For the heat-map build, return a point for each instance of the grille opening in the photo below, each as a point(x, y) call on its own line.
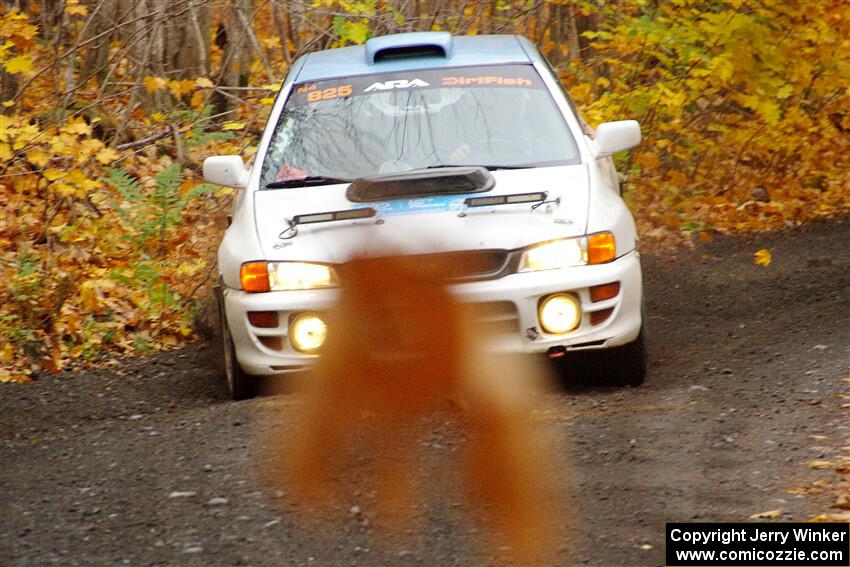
point(495, 317)
point(600, 342)
point(465, 265)
point(410, 52)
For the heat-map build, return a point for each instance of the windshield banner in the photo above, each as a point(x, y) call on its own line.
point(507, 76)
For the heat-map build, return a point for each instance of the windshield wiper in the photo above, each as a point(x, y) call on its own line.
point(487, 167)
point(306, 181)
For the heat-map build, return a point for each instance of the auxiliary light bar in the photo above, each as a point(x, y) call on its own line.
point(350, 214)
point(505, 199)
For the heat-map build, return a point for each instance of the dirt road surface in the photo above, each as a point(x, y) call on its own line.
point(157, 467)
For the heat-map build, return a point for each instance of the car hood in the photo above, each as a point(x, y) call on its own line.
point(426, 224)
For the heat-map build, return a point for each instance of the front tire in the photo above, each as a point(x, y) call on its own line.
point(240, 385)
point(626, 365)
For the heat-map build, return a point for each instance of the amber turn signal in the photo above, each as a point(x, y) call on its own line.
point(604, 291)
point(255, 277)
point(601, 248)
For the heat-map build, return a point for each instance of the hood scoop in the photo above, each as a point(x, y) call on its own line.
point(421, 183)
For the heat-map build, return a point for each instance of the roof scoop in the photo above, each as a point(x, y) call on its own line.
point(409, 45)
point(420, 183)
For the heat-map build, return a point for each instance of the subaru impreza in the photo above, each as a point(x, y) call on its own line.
point(460, 147)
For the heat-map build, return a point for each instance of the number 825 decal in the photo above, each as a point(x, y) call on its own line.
point(330, 93)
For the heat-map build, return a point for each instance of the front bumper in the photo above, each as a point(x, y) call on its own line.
point(510, 319)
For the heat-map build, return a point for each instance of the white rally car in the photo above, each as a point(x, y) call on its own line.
point(437, 145)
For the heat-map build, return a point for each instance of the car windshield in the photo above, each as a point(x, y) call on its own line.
point(342, 129)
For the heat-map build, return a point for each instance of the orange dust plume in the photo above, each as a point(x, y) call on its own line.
point(400, 348)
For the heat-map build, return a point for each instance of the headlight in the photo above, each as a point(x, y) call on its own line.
point(285, 276)
point(559, 313)
point(596, 248)
point(300, 275)
point(553, 255)
point(307, 333)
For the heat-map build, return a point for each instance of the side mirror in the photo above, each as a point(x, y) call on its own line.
point(613, 137)
point(226, 170)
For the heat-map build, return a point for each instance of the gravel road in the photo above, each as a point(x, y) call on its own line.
point(150, 464)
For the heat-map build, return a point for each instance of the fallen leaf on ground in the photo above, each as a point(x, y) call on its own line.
point(763, 257)
point(839, 517)
point(820, 464)
point(770, 514)
point(843, 501)
point(803, 489)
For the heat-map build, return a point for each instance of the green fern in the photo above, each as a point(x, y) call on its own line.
point(200, 120)
point(150, 217)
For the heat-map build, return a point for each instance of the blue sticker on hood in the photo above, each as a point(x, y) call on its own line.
point(420, 205)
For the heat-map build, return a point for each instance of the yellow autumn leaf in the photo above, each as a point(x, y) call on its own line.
point(73, 8)
point(180, 88)
point(839, 517)
point(190, 268)
point(769, 515)
point(65, 190)
point(53, 174)
point(19, 64)
point(267, 100)
point(6, 376)
point(38, 158)
point(63, 144)
point(76, 126)
point(153, 84)
point(81, 180)
point(24, 136)
point(8, 103)
point(107, 156)
point(86, 149)
point(88, 295)
point(817, 465)
point(232, 125)
point(198, 100)
point(763, 257)
point(7, 353)
point(204, 83)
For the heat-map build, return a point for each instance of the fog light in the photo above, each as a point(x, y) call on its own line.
point(307, 332)
point(559, 313)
